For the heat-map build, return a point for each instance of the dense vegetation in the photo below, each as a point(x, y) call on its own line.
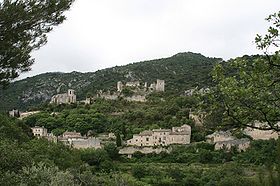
point(28, 161)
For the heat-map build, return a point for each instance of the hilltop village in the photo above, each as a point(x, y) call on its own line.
point(130, 91)
point(147, 141)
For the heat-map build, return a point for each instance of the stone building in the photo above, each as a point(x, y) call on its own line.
point(136, 98)
point(76, 140)
point(132, 84)
point(239, 144)
point(71, 135)
point(160, 85)
point(163, 137)
point(39, 131)
point(119, 86)
point(14, 113)
point(84, 143)
point(26, 114)
point(219, 136)
point(258, 134)
point(66, 98)
point(225, 140)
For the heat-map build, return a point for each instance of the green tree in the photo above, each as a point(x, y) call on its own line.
point(23, 28)
point(118, 140)
point(253, 91)
point(112, 151)
point(138, 171)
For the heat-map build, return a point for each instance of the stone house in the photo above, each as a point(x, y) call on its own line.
point(71, 135)
point(162, 137)
point(39, 131)
point(42, 132)
point(84, 143)
point(76, 140)
point(239, 144)
point(258, 134)
point(66, 98)
point(219, 136)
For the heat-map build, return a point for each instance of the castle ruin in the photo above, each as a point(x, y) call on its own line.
point(67, 98)
point(157, 86)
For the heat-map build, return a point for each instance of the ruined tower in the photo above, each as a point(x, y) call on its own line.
point(71, 96)
point(160, 85)
point(119, 86)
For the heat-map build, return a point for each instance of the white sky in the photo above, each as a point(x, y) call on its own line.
point(105, 33)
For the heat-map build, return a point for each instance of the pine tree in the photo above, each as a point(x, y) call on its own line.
point(23, 28)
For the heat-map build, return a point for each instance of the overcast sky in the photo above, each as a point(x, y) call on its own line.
point(105, 33)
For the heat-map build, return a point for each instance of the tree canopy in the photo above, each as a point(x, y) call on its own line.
point(252, 92)
point(23, 28)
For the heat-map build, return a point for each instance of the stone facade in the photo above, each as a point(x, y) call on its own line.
point(257, 134)
point(39, 131)
point(14, 113)
point(219, 136)
point(129, 151)
point(26, 114)
point(84, 143)
point(71, 135)
point(132, 84)
point(119, 86)
point(160, 85)
point(225, 140)
point(76, 140)
point(137, 98)
point(66, 98)
point(163, 137)
point(239, 144)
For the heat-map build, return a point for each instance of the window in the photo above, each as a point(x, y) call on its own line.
point(164, 138)
point(147, 139)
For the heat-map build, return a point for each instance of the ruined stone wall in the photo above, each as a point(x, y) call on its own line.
point(261, 134)
point(137, 98)
point(144, 150)
point(160, 85)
